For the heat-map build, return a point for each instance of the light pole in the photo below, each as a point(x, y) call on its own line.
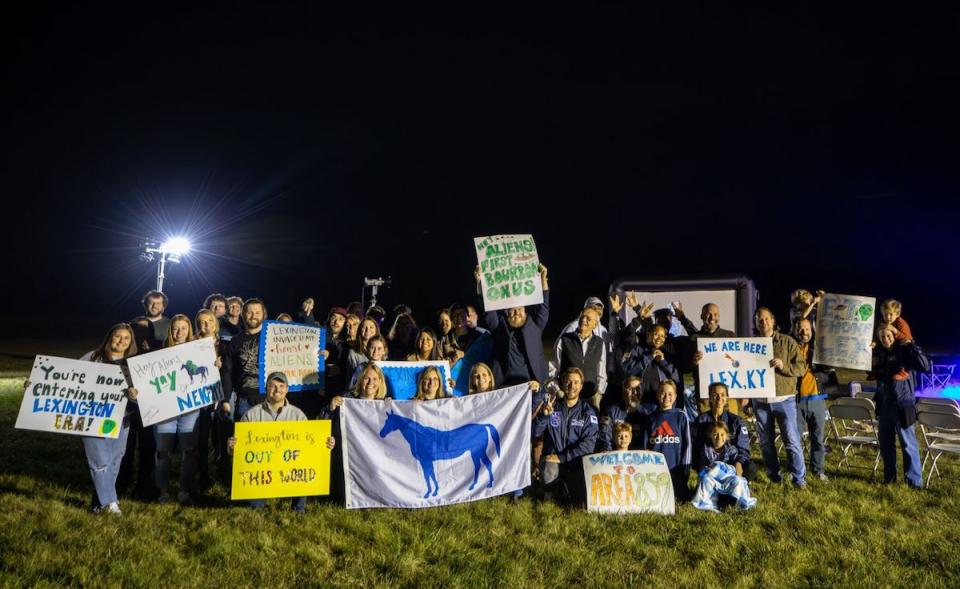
point(169, 251)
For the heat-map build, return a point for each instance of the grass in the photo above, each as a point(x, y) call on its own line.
point(848, 532)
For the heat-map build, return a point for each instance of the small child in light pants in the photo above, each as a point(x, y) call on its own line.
point(721, 477)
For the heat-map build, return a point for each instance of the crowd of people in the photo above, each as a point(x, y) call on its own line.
point(595, 390)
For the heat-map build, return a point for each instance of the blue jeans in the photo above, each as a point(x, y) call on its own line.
point(182, 429)
point(888, 426)
point(104, 456)
point(298, 504)
point(241, 408)
point(784, 415)
point(812, 417)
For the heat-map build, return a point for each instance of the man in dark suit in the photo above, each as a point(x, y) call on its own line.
point(518, 339)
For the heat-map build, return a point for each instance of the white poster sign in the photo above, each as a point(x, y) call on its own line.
point(177, 380)
point(74, 397)
point(509, 271)
point(628, 482)
point(293, 349)
point(844, 331)
point(741, 363)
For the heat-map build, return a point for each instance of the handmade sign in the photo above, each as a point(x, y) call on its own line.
point(509, 271)
point(281, 459)
point(844, 331)
point(177, 380)
point(293, 349)
point(429, 453)
point(74, 397)
point(628, 482)
point(402, 377)
point(741, 363)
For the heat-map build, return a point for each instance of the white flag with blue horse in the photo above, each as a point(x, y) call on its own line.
point(429, 453)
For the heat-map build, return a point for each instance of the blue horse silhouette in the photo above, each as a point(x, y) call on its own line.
point(194, 370)
point(428, 444)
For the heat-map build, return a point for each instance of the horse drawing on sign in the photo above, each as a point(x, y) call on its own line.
point(428, 445)
point(194, 370)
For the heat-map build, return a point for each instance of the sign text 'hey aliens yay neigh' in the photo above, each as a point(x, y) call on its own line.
point(509, 271)
point(176, 380)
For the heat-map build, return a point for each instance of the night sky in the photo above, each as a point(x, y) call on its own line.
point(303, 149)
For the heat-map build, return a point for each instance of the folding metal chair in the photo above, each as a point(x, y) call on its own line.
point(937, 401)
point(932, 435)
point(854, 423)
point(939, 421)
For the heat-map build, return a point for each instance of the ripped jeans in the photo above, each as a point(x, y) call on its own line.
point(103, 457)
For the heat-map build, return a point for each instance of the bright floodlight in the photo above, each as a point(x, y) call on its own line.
point(177, 246)
point(170, 251)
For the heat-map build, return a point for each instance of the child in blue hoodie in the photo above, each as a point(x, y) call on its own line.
point(668, 432)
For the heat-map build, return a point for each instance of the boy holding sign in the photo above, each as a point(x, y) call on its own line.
point(275, 408)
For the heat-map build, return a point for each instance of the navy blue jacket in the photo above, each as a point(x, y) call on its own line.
point(618, 414)
point(739, 438)
point(727, 454)
point(640, 359)
point(568, 432)
point(532, 330)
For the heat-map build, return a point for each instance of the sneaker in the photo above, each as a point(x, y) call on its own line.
point(113, 508)
point(164, 497)
point(183, 498)
point(823, 477)
point(800, 487)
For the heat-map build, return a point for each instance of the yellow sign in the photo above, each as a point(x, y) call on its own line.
point(281, 459)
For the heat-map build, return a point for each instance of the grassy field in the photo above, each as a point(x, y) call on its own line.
point(848, 532)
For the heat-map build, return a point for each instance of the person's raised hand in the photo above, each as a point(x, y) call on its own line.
point(331, 442)
point(548, 406)
point(307, 306)
point(336, 402)
point(646, 310)
point(632, 299)
point(615, 303)
point(132, 394)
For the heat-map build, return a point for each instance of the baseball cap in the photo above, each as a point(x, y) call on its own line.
point(593, 301)
point(278, 376)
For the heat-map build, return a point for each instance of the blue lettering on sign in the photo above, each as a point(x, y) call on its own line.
point(731, 346)
point(640, 459)
point(753, 378)
point(196, 398)
point(606, 459)
point(70, 407)
point(710, 347)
